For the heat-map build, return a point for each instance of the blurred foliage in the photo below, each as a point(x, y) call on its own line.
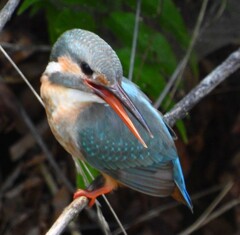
point(161, 28)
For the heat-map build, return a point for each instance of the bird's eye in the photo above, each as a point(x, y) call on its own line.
point(86, 68)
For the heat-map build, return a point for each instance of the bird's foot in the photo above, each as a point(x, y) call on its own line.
point(92, 195)
point(97, 188)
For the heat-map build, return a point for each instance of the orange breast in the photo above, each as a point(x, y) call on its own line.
point(62, 113)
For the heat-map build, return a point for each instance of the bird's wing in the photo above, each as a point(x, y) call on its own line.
point(108, 145)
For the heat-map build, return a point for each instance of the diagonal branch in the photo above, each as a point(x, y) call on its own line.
point(7, 11)
point(218, 75)
point(68, 215)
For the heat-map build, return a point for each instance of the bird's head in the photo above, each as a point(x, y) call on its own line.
point(83, 61)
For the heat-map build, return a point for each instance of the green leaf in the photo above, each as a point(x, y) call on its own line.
point(149, 78)
point(124, 56)
point(152, 8)
point(64, 20)
point(172, 21)
point(80, 181)
point(158, 49)
point(182, 130)
point(165, 54)
point(122, 25)
point(27, 4)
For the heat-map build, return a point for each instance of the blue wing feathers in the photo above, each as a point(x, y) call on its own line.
point(153, 180)
point(109, 146)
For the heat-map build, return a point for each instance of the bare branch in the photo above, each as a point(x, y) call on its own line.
point(7, 12)
point(180, 110)
point(67, 215)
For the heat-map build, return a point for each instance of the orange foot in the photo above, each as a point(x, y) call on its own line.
point(92, 195)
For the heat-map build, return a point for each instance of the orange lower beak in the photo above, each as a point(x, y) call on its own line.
point(116, 98)
point(118, 108)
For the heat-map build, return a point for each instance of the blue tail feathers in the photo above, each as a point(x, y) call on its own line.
point(179, 181)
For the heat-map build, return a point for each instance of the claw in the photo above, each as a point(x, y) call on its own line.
point(92, 195)
point(87, 194)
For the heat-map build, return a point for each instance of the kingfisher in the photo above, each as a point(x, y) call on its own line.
point(104, 119)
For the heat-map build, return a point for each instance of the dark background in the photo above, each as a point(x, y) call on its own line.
point(31, 193)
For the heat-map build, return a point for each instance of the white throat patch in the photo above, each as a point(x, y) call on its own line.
point(53, 67)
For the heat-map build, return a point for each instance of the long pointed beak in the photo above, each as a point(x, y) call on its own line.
point(117, 98)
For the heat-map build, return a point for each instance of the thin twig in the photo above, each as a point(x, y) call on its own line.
point(21, 75)
point(208, 211)
point(44, 148)
point(7, 11)
point(134, 42)
point(153, 213)
point(227, 206)
point(10, 179)
point(108, 203)
point(218, 75)
point(19, 47)
point(48, 179)
point(192, 44)
point(18, 149)
point(169, 84)
point(179, 71)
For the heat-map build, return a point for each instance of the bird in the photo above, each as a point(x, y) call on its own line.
point(104, 119)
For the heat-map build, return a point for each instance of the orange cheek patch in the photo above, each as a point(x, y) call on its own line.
point(68, 65)
point(102, 79)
